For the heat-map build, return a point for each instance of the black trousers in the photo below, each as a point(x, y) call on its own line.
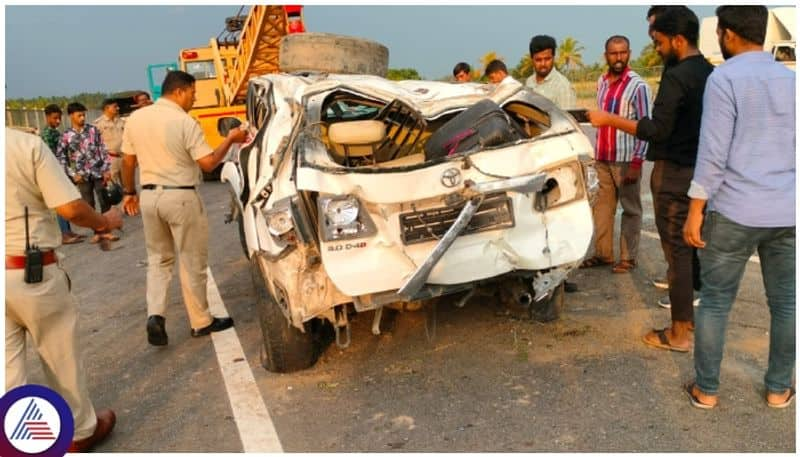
point(90, 192)
point(669, 184)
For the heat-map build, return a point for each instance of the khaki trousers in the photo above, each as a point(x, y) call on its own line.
point(116, 170)
point(49, 313)
point(175, 222)
point(613, 190)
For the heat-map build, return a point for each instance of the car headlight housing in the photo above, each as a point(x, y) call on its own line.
point(342, 218)
point(280, 223)
point(592, 182)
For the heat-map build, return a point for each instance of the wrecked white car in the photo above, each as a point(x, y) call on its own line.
point(357, 193)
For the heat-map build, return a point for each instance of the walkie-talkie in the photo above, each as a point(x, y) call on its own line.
point(33, 258)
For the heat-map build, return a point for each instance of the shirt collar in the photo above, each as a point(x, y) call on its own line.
point(626, 74)
point(169, 104)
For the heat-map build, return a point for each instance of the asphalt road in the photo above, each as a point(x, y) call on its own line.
point(489, 381)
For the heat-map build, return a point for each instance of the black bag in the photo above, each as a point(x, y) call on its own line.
point(482, 124)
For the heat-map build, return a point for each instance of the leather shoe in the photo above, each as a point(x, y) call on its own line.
point(105, 423)
point(218, 324)
point(156, 330)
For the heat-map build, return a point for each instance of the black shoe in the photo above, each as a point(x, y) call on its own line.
point(156, 330)
point(570, 287)
point(218, 324)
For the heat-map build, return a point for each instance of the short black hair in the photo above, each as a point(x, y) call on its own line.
point(656, 10)
point(495, 66)
point(176, 80)
point(749, 22)
point(618, 38)
point(107, 102)
point(461, 66)
point(678, 21)
point(75, 107)
point(141, 92)
point(541, 43)
point(52, 108)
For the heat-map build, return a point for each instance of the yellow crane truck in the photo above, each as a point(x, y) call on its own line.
point(248, 46)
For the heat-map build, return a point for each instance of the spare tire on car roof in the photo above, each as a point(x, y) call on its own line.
point(329, 53)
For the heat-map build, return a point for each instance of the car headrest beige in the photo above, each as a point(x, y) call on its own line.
point(357, 132)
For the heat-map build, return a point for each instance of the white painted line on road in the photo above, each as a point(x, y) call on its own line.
point(753, 258)
point(256, 430)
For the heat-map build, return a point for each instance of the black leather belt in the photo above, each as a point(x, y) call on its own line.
point(155, 186)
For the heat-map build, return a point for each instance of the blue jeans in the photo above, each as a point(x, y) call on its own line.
point(63, 225)
point(722, 263)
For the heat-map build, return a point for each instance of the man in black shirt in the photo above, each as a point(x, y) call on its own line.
point(673, 133)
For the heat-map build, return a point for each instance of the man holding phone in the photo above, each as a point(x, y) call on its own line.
point(619, 158)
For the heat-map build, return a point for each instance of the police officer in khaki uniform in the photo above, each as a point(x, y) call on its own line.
point(169, 147)
point(46, 309)
point(111, 126)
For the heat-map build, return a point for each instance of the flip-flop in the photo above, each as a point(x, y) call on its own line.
point(785, 403)
point(694, 400)
point(663, 341)
point(72, 240)
point(624, 266)
point(595, 261)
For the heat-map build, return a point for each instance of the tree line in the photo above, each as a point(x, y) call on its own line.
point(89, 100)
point(569, 61)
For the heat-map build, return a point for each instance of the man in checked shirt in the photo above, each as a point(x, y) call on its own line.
point(619, 158)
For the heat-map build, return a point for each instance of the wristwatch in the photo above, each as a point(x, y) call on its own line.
point(129, 192)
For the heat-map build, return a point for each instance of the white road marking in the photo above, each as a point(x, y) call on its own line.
point(753, 258)
point(256, 430)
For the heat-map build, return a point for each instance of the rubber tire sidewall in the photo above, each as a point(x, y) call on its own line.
point(285, 348)
point(329, 53)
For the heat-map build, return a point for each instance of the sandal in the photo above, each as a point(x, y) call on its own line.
point(109, 236)
point(688, 388)
point(663, 341)
point(624, 266)
point(71, 239)
point(785, 403)
point(595, 262)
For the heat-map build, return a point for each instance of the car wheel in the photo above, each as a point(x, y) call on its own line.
point(549, 309)
point(285, 348)
point(328, 53)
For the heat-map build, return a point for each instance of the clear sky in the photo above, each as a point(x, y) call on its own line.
point(65, 50)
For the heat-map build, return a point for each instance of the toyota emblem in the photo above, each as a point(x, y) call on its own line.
point(451, 177)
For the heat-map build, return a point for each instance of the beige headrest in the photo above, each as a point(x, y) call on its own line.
point(357, 132)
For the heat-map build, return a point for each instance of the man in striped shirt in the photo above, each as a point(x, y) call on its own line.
point(619, 158)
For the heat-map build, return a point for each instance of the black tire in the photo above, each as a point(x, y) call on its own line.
point(328, 53)
point(549, 309)
point(285, 348)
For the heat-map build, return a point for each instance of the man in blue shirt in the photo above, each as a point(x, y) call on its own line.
point(745, 179)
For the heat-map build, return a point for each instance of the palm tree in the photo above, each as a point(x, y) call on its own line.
point(569, 54)
point(649, 57)
point(523, 69)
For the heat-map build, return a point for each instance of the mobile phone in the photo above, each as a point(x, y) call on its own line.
point(580, 115)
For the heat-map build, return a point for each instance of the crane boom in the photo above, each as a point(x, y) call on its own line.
point(257, 53)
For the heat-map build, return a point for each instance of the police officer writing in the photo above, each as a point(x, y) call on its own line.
point(168, 146)
point(38, 297)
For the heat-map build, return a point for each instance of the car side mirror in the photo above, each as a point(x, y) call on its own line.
point(225, 124)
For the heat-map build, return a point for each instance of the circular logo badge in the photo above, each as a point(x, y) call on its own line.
point(36, 421)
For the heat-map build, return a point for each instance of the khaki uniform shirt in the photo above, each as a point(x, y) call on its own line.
point(555, 87)
point(166, 142)
point(35, 179)
point(111, 132)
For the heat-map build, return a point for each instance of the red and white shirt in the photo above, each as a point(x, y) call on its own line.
point(630, 97)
